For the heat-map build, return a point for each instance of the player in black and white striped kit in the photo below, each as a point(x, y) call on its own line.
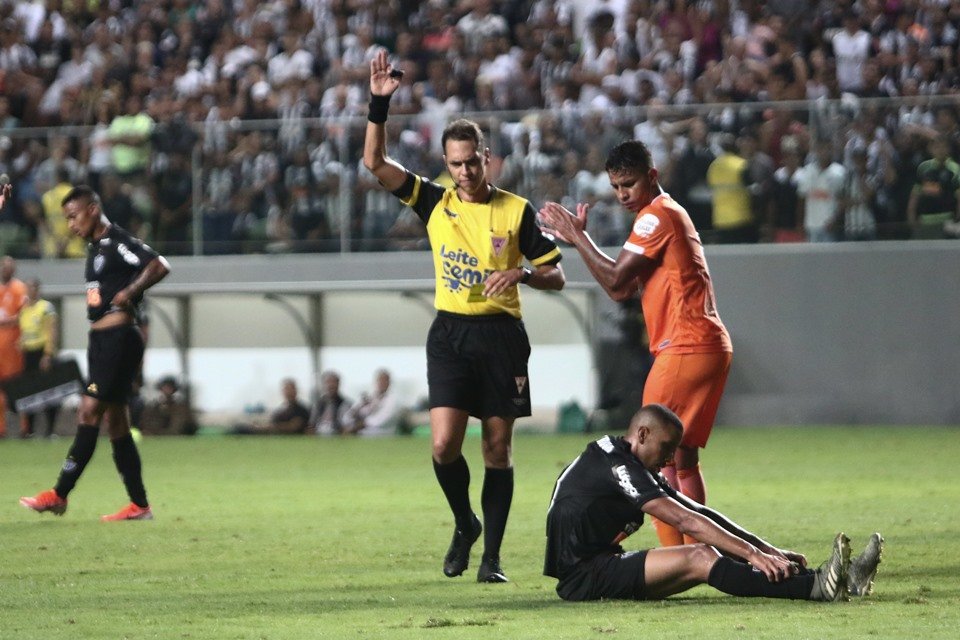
point(119, 269)
point(601, 498)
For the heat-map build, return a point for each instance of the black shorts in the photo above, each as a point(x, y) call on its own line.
point(31, 360)
point(113, 362)
point(613, 577)
point(479, 364)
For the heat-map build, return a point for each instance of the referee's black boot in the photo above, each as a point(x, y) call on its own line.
point(490, 570)
point(458, 555)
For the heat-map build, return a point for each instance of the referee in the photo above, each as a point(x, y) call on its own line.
point(477, 348)
point(119, 269)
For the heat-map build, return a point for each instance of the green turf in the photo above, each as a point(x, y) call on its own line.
point(270, 538)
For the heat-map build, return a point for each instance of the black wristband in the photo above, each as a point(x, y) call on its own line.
point(525, 274)
point(379, 105)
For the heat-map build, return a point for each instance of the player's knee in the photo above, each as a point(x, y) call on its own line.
point(701, 559)
point(445, 450)
point(497, 452)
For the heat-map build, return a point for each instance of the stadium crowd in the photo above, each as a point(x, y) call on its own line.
point(771, 121)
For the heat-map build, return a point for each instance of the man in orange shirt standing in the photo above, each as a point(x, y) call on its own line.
point(664, 258)
point(13, 296)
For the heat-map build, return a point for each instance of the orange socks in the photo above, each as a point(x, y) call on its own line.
point(692, 486)
point(668, 536)
point(689, 482)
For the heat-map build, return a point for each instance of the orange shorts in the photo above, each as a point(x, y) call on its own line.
point(11, 361)
point(690, 384)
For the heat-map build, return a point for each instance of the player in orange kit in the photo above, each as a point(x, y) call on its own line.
point(13, 296)
point(664, 258)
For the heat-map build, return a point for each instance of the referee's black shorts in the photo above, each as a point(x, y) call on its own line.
point(620, 576)
point(113, 362)
point(479, 364)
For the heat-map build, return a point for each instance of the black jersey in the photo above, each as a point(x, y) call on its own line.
point(597, 503)
point(113, 262)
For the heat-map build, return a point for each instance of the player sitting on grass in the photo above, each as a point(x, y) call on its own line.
point(602, 496)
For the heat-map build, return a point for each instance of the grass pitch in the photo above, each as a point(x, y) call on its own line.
point(274, 538)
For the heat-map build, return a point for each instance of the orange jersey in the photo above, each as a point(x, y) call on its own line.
point(13, 296)
point(679, 306)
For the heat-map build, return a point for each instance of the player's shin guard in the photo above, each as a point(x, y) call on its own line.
point(127, 459)
point(495, 499)
point(454, 479)
point(81, 451)
point(740, 579)
point(692, 485)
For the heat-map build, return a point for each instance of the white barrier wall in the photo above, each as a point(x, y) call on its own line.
point(843, 333)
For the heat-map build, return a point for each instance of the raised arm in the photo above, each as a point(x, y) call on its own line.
point(383, 82)
point(617, 277)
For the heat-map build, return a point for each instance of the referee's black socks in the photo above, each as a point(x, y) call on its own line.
point(496, 498)
point(127, 459)
point(741, 579)
point(81, 451)
point(454, 479)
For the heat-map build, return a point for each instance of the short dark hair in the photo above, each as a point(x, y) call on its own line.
point(663, 414)
point(81, 192)
point(629, 156)
point(463, 129)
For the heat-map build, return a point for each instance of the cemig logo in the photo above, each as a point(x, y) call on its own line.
point(461, 269)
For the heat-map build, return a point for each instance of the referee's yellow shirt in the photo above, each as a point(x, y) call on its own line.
point(469, 241)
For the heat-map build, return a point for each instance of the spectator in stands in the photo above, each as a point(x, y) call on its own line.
point(330, 414)
point(56, 240)
point(170, 414)
point(898, 160)
point(219, 212)
point(935, 199)
point(481, 24)
point(48, 174)
point(305, 218)
point(858, 198)
point(733, 220)
point(130, 133)
point(379, 206)
point(96, 150)
point(819, 186)
point(294, 60)
point(119, 204)
point(758, 178)
point(780, 223)
point(689, 175)
point(852, 48)
point(173, 195)
point(290, 418)
point(377, 413)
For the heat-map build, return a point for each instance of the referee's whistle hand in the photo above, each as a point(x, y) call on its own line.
point(499, 281)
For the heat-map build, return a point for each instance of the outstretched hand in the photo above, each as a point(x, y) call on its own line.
point(563, 224)
point(382, 83)
point(774, 567)
point(797, 558)
point(5, 191)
